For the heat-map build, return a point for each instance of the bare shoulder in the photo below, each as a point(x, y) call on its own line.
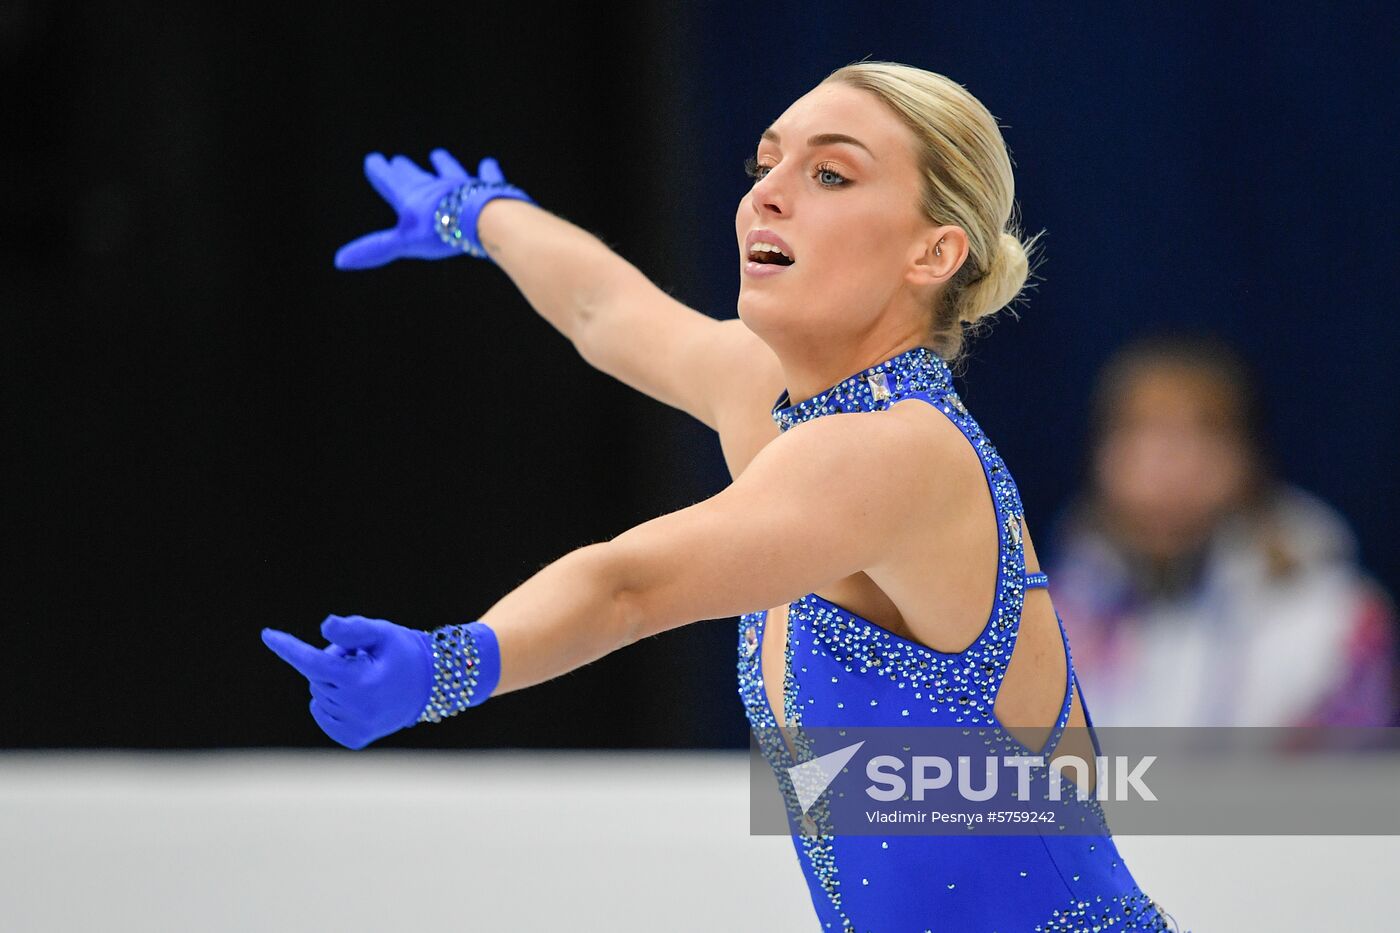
point(945, 452)
point(895, 474)
point(904, 449)
point(768, 536)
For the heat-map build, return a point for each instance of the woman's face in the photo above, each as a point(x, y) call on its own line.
point(845, 212)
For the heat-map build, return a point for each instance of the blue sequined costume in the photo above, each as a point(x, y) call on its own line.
point(843, 670)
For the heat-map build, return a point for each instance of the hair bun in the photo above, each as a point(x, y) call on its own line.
point(1006, 274)
point(967, 181)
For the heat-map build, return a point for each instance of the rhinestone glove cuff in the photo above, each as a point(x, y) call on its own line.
point(466, 669)
point(456, 214)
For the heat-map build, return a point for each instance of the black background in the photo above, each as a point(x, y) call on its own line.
point(209, 429)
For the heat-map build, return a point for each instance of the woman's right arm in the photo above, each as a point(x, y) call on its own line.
point(760, 541)
point(623, 324)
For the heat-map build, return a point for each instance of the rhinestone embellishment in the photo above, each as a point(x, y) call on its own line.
point(1013, 529)
point(455, 673)
point(918, 369)
point(879, 386)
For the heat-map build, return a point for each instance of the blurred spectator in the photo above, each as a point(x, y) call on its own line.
point(1198, 589)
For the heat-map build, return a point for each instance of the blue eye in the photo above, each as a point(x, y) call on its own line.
point(823, 170)
point(758, 172)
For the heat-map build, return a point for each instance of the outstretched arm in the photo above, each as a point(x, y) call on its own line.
point(625, 325)
point(763, 540)
point(617, 319)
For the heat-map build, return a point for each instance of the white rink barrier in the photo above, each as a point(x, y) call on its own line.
point(389, 840)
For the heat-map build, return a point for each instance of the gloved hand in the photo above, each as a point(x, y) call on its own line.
point(437, 213)
point(374, 679)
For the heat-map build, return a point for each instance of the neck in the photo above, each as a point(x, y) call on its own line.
point(811, 368)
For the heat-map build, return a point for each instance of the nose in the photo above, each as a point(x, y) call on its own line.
point(768, 197)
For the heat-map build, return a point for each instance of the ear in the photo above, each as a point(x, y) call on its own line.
point(936, 255)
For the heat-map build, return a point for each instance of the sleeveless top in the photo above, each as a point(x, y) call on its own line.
point(844, 670)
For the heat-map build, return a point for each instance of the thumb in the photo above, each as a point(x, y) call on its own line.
point(370, 250)
point(353, 631)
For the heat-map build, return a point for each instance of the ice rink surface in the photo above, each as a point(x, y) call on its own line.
point(505, 841)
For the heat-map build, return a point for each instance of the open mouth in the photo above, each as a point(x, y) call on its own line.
point(769, 254)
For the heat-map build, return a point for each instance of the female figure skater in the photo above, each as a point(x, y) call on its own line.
point(879, 226)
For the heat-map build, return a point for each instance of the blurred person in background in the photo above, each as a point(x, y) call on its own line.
point(1198, 587)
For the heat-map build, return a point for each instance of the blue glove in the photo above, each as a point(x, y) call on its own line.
point(376, 677)
point(437, 213)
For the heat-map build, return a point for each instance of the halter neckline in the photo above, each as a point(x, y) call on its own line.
point(918, 369)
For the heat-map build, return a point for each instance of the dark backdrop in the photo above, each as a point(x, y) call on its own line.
point(209, 429)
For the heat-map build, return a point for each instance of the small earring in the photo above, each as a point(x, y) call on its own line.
point(938, 248)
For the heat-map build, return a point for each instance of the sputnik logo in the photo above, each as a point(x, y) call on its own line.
point(813, 777)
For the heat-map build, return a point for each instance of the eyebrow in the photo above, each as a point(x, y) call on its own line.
point(821, 139)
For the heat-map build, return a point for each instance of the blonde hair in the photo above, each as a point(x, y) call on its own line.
point(967, 183)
